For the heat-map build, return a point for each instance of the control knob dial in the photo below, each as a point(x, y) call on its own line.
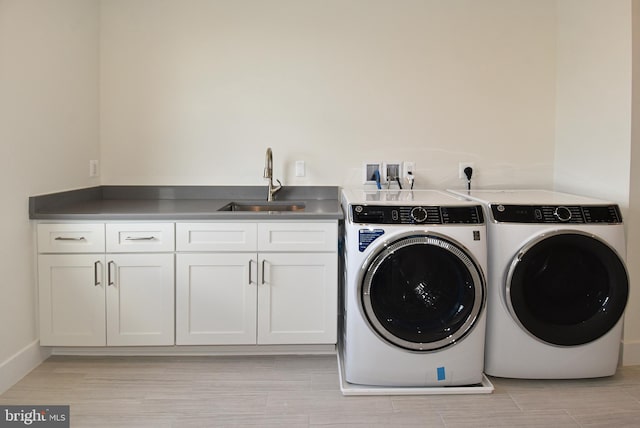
point(562, 213)
point(419, 214)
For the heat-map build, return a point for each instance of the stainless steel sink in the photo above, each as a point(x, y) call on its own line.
point(277, 206)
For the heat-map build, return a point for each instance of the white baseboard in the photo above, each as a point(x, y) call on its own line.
point(21, 363)
point(186, 350)
point(631, 353)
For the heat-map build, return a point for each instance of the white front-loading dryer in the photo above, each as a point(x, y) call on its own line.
point(414, 294)
point(557, 284)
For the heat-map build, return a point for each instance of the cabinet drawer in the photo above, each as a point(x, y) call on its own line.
point(298, 236)
point(216, 236)
point(71, 238)
point(140, 237)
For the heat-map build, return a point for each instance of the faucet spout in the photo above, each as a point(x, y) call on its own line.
point(268, 174)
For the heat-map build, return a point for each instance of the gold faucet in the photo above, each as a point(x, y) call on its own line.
point(268, 174)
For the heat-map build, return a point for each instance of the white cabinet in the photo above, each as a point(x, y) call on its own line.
point(215, 299)
point(106, 298)
point(297, 298)
point(264, 283)
point(204, 283)
point(216, 236)
point(140, 299)
point(72, 299)
point(71, 238)
point(298, 237)
point(139, 237)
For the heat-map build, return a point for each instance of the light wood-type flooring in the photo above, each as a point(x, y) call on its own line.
point(303, 391)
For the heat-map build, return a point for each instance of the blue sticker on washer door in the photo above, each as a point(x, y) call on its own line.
point(367, 236)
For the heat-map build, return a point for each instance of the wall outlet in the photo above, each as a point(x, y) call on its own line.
point(461, 167)
point(408, 169)
point(409, 173)
point(94, 168)
point(369, 172)
point(300, 168)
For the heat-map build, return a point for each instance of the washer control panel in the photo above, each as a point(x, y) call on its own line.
point(609, 214)
point(420, 214)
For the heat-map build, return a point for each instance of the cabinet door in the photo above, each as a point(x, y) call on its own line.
point(140, 299)
point(297, 298)
point(216, 299)
point(72, 300)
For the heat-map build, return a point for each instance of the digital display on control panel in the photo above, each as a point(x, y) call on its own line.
point(462, 214)
point(516, 213)
point(602, 214)
point(383, 214)
point(556, 214)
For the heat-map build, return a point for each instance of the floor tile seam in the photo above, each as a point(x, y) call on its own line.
point(579, 413)
point(568, 413)
point(173, 414)
point(441, 416)
point(627, 391)
point(576, 402)
point(515, 401)
point(261, 396)
point(523, 413)
point(274, 409)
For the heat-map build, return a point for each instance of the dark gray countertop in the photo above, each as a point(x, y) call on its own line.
point(181, 203)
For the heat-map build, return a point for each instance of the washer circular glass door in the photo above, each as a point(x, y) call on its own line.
point(567, 288)
point(422, 292)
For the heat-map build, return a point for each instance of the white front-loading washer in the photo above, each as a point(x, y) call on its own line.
point(557, 284)
point(414, 292)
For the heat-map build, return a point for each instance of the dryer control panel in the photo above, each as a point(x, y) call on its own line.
point(609, 214)
point(420, 214)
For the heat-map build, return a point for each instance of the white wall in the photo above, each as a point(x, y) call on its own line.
point(48, 132)
point(192, 92)
point(593, 133)
point(593, 152)
point(632, 319)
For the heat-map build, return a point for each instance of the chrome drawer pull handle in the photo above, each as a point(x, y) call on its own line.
point(96, 281)
point(142, 238)
point(62, 238)
point(109, 279)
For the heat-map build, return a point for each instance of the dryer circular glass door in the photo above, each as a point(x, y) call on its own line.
point(422, 292)
point(567, 289)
